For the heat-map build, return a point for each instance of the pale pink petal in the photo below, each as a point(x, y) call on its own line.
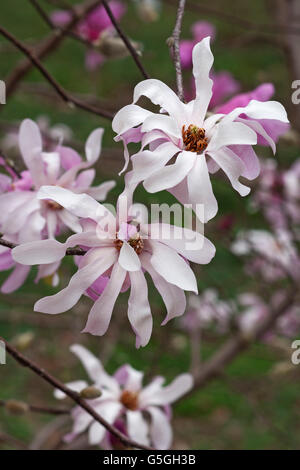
point(52, 166)
point(169, 394)
point(128, 117)
point(93, 146)
point(69, 220)
point(171, 175)
point(109, 411)
point(139, 311)
point(160, 428)
point(232, 133)
point(69, 157)
point(164, 123)
point(91, 364)
point(100, 192)
point(16, 279)
point(201, 195)
point(160, 94)
point(130, 378)
point(173, 296)
point(39, 252)
point(84, 180)
point(30, 142)
point(233, 167)
point(128, 258)
point(250, 160)
point(137, 427)
point(172, 267)
point(202, 64)
point(76, 386)
point(82, 279)
point(100, 314)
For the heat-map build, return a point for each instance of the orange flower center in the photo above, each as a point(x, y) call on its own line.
point(194, 138)
point(136, 243)
point(129, 400)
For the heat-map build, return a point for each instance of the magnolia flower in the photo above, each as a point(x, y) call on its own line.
point(277, 254)
point(24, 217)
point(119, 251)
point(144, 412)
point(96, 24)
point(254, 311)
point(200, 144)
point(207, 309)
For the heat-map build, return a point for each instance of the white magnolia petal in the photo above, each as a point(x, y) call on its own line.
point(82, 280)
point(128, 258)
point(15, 279)
point(100, 314)
point(109, 410)
point(39, 252)
point(100, 192)
point(137, 427)
point(202, 64)
point(93, 145)
point(52, 161)
point(139, 311)
point(200, 191)
point(128, 117)
point(233, 133)
point(260, 110)
point(171, 175)
point(146, 163)
point(169, 394)
point(163, 123)
point(173, 297)
point(233, 167)
point(70, 220)
point(160, 429)
point(159, 93)
point(90, 362)
point(172, 267)
point(30, 143)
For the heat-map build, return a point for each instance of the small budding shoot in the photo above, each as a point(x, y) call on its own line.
point(90, 393)
point(194, 138)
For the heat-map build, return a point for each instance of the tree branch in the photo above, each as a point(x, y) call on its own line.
point(66, 96)
point(125, 39)
point(173, 43)
point(43, 374)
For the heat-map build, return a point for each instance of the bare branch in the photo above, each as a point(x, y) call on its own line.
point(66, 96)
point(173, 43)
point(42, 373)
point(125, 39)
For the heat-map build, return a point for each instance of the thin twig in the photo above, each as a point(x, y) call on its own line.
point(49, 45)
point(41, 409)
point(66, 96)
point(125, 39)
point(173, 43)
point(42, 373)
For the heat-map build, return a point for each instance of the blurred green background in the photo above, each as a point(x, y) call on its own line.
point(251, 406)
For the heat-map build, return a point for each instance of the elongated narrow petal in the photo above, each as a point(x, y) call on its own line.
point(146, 163)
point(93, 145)
point(100, 192)
point(172, 267)
point(202, 64)
point(15, 279)
point(233, 167)
point(100, 314)
point(30, 142)
point(128, 258)
point(160, 428)
point(82, 280)
point(171, 175)
point(139, 311)
point(128, 117)
point(39, 252)
point(137, 427)
point(200, 191)
point(233, 133)
point(169, 394)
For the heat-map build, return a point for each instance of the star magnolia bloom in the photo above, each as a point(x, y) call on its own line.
point(24, 217)
point(120, 252)
point(201, 144)
point(124, 399)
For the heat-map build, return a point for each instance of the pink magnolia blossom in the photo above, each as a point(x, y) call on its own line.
point(120, 249)
point(276, 253)
point(25, 217)
point(201, 144)
point(143, 414)
point(92, 27)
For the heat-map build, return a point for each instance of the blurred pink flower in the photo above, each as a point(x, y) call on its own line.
point(92, 27)
point(120, 249)
point(143, 414)
point(26, 218)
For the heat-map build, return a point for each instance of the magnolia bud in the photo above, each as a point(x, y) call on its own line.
point(16, 407)
point(24, 340)
point(148, 10)
point(90, 393)
point(112, 46)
